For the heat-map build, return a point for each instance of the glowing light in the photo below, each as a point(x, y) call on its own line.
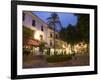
point(37, 34)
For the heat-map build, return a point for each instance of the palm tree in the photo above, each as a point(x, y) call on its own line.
point(53, 20)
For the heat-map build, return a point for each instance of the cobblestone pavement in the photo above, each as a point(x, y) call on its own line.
point(39, 61)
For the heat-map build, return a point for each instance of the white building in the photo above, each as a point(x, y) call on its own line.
point(41, 31)
point(37, 25)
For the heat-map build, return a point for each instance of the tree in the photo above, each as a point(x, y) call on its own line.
point(27, 33)
point(62, 32)
point(53, 20)
point(42, 47)
point(71, 35)
point(78, 33)
point(83, 26)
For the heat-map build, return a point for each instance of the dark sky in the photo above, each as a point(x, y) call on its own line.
point(65, 18)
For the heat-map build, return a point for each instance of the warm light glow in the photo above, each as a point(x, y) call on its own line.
point(37, 34)
point(80, 48)
point(63, 46)
point(51, 51)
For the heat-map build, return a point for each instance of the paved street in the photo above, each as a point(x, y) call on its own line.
point(39, 61)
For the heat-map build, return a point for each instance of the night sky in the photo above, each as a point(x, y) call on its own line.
point(65, 18)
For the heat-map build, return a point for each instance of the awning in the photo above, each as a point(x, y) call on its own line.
point(30, 41)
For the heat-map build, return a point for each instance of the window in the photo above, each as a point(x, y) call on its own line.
point(50, 42)
point(33, 22)
point(42, 28)
point(50, 34)
point(41, 37)
point(23, 16)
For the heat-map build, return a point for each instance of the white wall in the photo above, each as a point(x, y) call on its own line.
point(37, 28)
point(5, 29)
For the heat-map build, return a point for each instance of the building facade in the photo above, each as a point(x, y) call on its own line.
point(41, 31)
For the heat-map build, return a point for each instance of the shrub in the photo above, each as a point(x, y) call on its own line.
point(58, 58)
